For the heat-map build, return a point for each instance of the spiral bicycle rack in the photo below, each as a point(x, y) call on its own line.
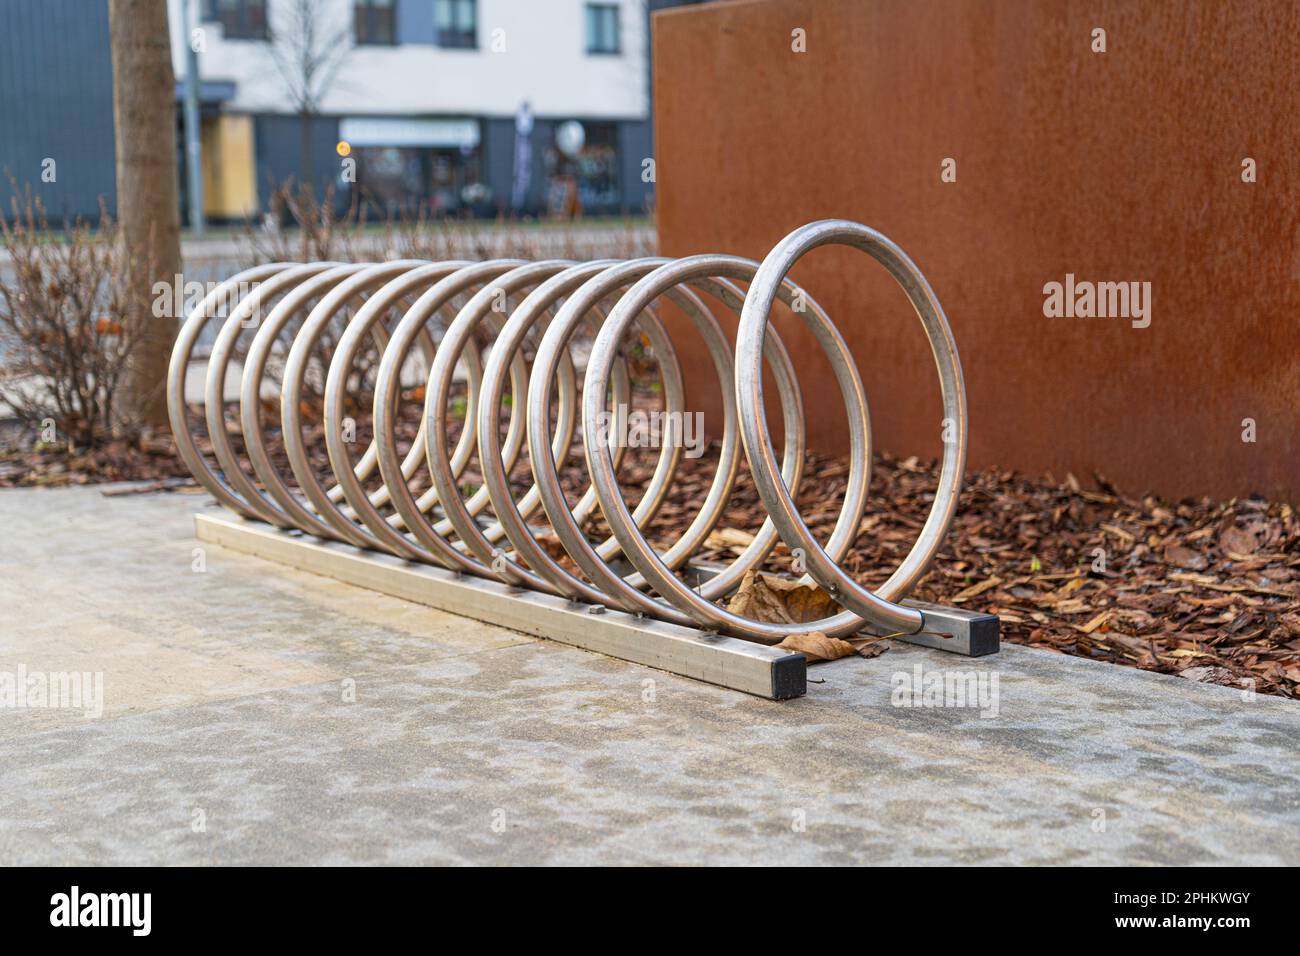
point(475, 324)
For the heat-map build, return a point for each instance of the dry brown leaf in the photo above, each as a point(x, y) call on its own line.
point(1134, 645)
point(732, 538)
point(773, 600)
point(1205, 580)
point(552, 545)
point(1095, 623)
point(976, 589)
point(1135, 619)
point(817, 647)
point(871, 647)
point(1075, 606)
point(1235, 540)
point(1211, 675)
point(1185, 557)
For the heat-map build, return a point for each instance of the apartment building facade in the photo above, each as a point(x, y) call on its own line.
point(453, 107)
point(458, 107)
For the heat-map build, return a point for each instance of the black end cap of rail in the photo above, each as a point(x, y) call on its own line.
point(985, 635)
point(789, 677)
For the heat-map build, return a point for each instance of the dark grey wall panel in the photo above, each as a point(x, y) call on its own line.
point(543, 139)
point(279, 155)
point(56, 101)
point(499, 160)
point(635, 145)
point(499, 163)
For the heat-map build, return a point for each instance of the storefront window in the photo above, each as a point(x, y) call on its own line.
point(587, 180)
point(401, 181)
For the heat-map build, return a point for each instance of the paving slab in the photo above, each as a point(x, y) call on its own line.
point(252, 714)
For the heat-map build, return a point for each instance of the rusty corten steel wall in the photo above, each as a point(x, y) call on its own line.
point(1116, 166)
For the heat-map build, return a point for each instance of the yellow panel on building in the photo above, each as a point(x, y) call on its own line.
point(229, 171)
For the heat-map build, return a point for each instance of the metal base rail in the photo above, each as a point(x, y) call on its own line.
point(713, 658)
point(706, 656)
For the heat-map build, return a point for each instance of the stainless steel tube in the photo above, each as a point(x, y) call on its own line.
point(495, 349)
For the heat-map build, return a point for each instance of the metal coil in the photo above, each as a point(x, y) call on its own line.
point(443, 311)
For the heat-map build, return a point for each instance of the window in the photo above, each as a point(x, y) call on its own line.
point(240, 19)
point(416, 180)
point(602, 28)
point(376, 23)
point(455, 23)
point(586, 181)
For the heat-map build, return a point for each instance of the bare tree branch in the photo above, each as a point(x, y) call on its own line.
point(308, 45)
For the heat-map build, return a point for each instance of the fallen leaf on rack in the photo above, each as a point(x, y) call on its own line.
point(774, 600)
point(817, 647)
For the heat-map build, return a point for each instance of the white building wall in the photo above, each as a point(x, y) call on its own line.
point(539, 54)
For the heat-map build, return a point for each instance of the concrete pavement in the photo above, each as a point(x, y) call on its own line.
point(254, 714)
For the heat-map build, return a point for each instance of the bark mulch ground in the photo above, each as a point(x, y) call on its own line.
point(1209, 590)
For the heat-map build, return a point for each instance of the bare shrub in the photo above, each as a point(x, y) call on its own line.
point(321, 233)
point(64, 334)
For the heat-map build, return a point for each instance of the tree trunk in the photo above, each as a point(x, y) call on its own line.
point(148, 203)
